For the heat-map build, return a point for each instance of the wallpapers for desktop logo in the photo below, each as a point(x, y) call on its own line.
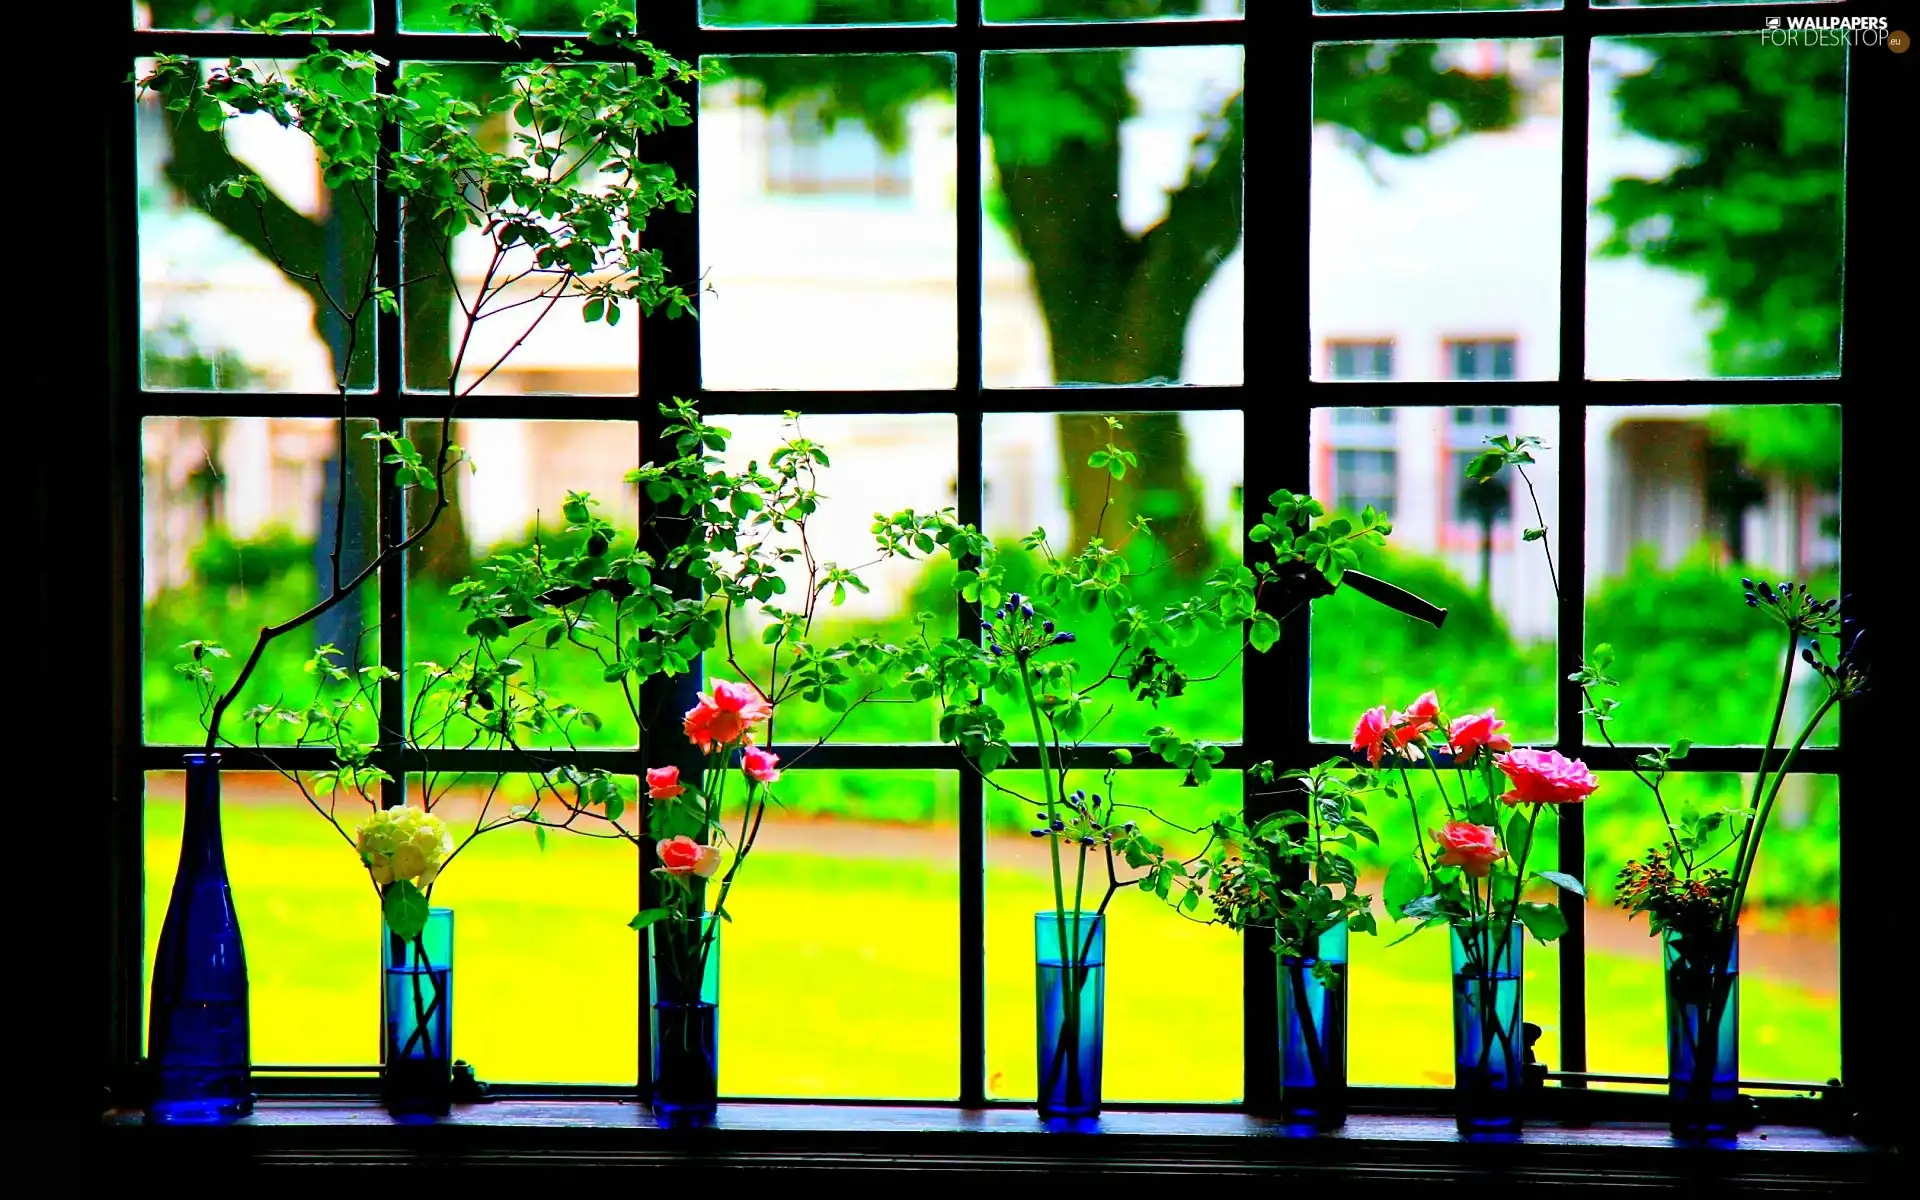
point(1831, 31)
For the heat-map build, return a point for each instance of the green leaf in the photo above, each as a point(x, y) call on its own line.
point(1564, 882)
point(1543, 921)
point(648, 916)
point(1532, 535)
point(1263, 631)
point(1405, 883)
point(1517, 828)
point(405, 908)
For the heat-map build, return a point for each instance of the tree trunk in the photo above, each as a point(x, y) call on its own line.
point(1116, 307)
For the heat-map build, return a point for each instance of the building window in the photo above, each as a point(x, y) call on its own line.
point(1485, 358)
point(1362, 478)
point(1361, 360)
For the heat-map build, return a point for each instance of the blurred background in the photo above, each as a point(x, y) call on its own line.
point(1114, 227)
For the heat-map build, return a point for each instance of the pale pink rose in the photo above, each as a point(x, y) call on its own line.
point(1545, 777)
point(1472, 848)
point(760, 765)
point(726, 716)
point(684, 856)
point(663, 783)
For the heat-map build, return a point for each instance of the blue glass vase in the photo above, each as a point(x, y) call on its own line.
point(1313, 1034)
point(1703, 1033)
point(1489, 1052)
point(685, 996)
point(416, 1074)
point(1070, 992)
point(197, 1039)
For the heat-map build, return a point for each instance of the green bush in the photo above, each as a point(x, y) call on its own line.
point(1692, 660)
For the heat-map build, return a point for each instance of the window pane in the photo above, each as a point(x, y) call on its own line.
point(826, 12)
point(1400, 997)
point(841, 967)
point(536, 928)
point(1789, 930)
point(507, 297)
point(547, 974)
point(236, 534)
point(1650, 3)
point(1360, 360)
point(1109, 10)
point(1173, 1007)
point(1456, 543)
point(218, 310)
point(528, 16)
point(347, 15)
point(1449, 6)
point(1187, 484)
point(1716, 178)
point(1113, 217)
point(880, 463)
point(309, 917)
point(827, 223)
point(1435, 224)
point(522, 474)
point(1682, 502)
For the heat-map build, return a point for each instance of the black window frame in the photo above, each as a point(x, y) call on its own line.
point(1275, 394)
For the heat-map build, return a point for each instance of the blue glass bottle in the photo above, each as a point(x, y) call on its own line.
point(1489, 1051)
point(685, 996)
point(1703, 1033)
point(1070, 986)
point(1313, 1034)
point(416, 1075)
point(197, 1039)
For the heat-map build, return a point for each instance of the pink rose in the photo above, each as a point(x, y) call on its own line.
point(1425, 709)
point(1407, 727)
point(1371, 734)
point(726, 716)
point(684, 856)
point(1472, 848)
point(760, 765)
point(1545, 777)
point(1469, 735)
point(663, 783)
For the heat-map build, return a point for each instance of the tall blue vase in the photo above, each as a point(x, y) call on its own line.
point(1070, 986)
point(1313, 1034)
point(416, 1072)
point(685, 1019)
point(197, 1040)
point(1489, 1051)
point(1703, 1033)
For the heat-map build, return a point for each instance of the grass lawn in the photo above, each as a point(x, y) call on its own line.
point(840, 972)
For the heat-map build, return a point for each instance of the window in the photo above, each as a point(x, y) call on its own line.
point(1363, 478)
point(1361, 360)
point(1489, 358)
point(894, 240)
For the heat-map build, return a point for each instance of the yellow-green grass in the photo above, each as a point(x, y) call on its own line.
point(840, 970)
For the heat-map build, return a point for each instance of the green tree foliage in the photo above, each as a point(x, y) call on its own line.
point(1754, 207)
point(1801, 440)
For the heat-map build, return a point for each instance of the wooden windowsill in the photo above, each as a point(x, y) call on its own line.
point(847, 1137)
